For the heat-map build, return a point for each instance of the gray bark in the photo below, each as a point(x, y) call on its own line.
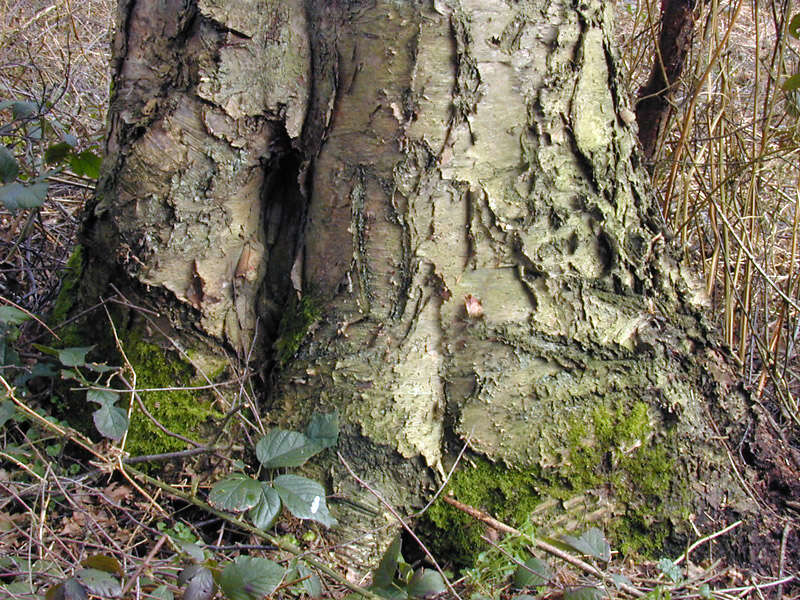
point(452, 185)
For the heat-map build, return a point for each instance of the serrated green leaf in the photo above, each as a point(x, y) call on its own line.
point(9, 167)
point(99, 583)
point(535, 573)
point(102, 397)
point(111, 421)
point(304, 498)
point(86, 163)
point(235, 493)
point(251, 578)
point(425, 583)
point(74, 357)
point(15, 196)
point(281, 448)
point(268, 508)
point(383, 576)
point(591, 543)
point(197, 582)
point(11, 315)
point(794, 26)
point(584, 593)
point(324, 429)
point(23, 110)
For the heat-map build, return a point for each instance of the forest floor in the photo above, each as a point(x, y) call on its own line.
point(77, 516)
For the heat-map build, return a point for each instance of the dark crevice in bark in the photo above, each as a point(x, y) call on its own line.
point(284, 207)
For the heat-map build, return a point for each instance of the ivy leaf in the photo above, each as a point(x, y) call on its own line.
point(162, 592)
point(198, 582)
point(251, 578)
point(74, 357)
point(383, 576)
point(11, 315)
point(591, 543)
point(69, 589)
point(424, 583)
point(102, 397)
point(111, 421)
point(792, 83)
point(583, 593)
point(7, 412)
point(310, 581)
point(537, 573)
point(23, 110)
point(304, 498)
point(102, 562)
point(236, 493)
point(620, 580)
point(324, 429)
point(794, 26)
point(15, 196)
point(670, 569)
point(391, 593)
point(268, 508)
point(86, 163)
point(99, 583)
point(9, 168)
point(281, 448)
point(56, 153)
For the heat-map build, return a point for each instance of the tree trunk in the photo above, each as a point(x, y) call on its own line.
point(431, 217)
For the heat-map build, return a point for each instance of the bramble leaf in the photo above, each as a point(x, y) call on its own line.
point(304, 498)
point(236, 493)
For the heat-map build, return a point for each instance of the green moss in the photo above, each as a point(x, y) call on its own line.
point(181, 411)
point(615, 450)
point(297, 317)
point(68, 297)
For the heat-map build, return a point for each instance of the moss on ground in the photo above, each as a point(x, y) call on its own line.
point(180, 411)
point(616, 450)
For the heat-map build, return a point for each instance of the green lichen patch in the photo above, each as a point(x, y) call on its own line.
point(181, 411)
point(296, 319)
point(614, 455)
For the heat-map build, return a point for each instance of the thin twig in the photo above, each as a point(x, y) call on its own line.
point(283, 545)
point(549, 548)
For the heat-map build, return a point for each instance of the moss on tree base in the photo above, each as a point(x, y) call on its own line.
point(617, 473)
point(181, 411)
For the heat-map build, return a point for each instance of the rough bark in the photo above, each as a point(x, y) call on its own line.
point(449, 188)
